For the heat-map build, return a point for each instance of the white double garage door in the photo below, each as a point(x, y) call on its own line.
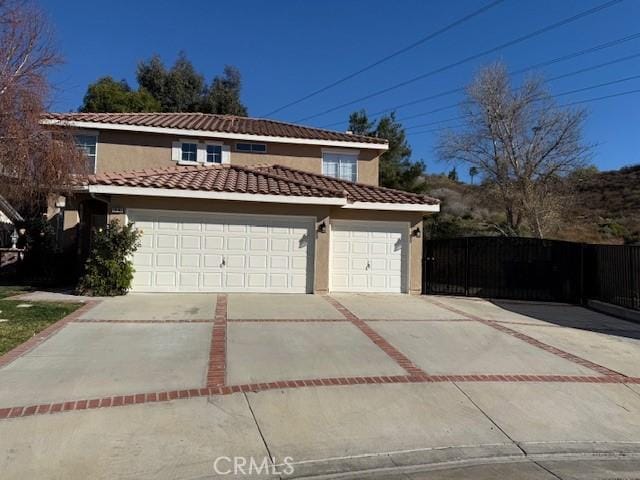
point(210, 252)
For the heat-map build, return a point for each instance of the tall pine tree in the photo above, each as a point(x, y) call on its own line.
point(397, 170)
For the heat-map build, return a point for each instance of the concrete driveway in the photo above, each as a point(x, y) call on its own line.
point(162, 386)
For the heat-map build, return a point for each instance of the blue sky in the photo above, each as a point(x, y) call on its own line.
point(287, 49)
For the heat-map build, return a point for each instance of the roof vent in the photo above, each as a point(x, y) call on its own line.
point(349, 132)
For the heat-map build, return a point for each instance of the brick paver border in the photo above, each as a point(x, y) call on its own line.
point(171, 395)
point(217, 371)
point(530, 340)
point(45, 334)
point(377, 339)
point(84, 320)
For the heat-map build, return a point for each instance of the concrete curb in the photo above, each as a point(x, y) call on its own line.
point(615, 310)
point(382, 466)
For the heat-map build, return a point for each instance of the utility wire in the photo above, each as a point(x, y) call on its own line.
point(502, 46)
point(588, 100)
point(415, 44)
point(520, 71)
point(558, 77)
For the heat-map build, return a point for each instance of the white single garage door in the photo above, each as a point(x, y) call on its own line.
point(369, 256)
point(206, 252)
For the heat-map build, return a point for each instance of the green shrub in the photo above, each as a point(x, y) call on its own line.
point(109, 270)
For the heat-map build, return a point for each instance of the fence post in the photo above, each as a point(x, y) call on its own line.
point(583, 300)
point(466, 267)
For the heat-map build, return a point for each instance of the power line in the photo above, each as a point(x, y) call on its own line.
point(415, 44)
point(589, 100)
point(510, 43)
point(557, 77)
point(520, 71)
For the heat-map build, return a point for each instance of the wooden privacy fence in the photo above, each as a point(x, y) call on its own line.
point(532, 269)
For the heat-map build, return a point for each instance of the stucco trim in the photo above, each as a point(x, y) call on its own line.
point(404, 207)
point(244, 197)
point(209, 134)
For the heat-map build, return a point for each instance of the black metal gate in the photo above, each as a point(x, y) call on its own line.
point(532, 269)
point(499, 267)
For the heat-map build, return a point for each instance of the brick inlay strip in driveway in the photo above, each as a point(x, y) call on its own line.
point(45, 334)
point(216, 373)
point(166, 396)
point(530, 340)
point(377, 339)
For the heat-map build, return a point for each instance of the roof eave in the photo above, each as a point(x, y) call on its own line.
point(214, 134)
point(256, 197)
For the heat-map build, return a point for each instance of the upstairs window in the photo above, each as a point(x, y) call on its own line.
point(340, 165)
point(189, 152)
point(88, 145)
point(251, 147)
point(214, 154)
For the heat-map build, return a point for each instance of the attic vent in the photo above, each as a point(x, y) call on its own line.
point(349, 132)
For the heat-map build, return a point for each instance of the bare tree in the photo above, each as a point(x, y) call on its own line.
point(522, 143)
point(35, 161)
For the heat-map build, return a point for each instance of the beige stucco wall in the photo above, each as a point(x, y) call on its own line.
point(320, 213)
point(119, 150)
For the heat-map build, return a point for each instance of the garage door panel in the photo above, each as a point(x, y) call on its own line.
point(280, 245)
point(190, 242)
point(146, 241)
point(368, 257)
point(165, 279)
point(213, 261)
point(298, 263)
point(143, 279)
point(236, 243)
point(215, 252)
point(166, 241)
point(234, 280)
point(259, 244)
point(235, 261)
point(279, 262)
point(189, 280)
point(212, 280)
point(192, 261)
point(257, 280)
point(143, 260)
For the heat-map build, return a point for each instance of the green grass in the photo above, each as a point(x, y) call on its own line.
point(24, 323)
point(10, 290)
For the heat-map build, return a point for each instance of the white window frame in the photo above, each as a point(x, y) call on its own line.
point(90, 133)
point(342, 151)
point(251, 151)
point(201, 152)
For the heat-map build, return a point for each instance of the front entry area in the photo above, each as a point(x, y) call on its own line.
point(211, 252)
point(369, 256)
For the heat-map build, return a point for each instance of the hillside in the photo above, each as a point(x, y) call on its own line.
point(607, 206)
point(604, 208)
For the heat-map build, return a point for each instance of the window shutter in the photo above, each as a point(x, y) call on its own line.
point(176, 151)
point(226, 154)
point(202, 153)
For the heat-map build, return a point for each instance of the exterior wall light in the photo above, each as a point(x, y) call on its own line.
point(416, 232)
point(322, 228)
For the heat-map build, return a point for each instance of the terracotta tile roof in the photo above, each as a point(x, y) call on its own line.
point(357, 192)
point(215, 123)
point(259, 179)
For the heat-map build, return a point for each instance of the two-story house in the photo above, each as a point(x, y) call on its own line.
point(246, 205)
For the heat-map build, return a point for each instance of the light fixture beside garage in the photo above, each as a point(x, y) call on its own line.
point(322, 227)
point(416, 232)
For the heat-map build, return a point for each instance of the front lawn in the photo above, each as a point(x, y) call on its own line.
point(23, 323)
point(10, 290)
